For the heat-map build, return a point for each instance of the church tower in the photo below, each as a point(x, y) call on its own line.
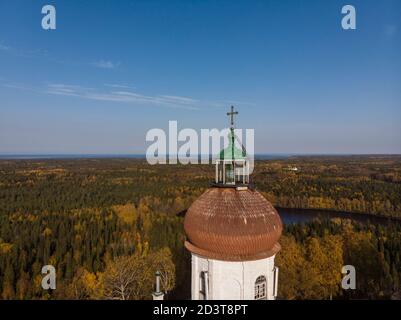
point(232, 233)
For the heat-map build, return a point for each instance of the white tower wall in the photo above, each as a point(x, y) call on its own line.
point(233, 280)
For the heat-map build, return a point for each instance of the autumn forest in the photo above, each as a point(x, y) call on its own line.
point(95, 220)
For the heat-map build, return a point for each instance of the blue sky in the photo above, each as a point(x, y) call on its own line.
point(112, 70)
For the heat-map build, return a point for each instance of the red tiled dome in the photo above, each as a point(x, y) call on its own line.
point(234, 225)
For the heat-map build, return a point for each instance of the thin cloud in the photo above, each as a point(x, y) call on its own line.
point(121, 96)
point(24, 53)
point(119, 86)
point(178, 99)
point(390, 30)
point(225, 103)
point(45, 54)
point(12, 85)
point(4, 47)
point(103, 64)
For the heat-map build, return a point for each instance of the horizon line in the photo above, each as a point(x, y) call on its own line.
point(27, 156)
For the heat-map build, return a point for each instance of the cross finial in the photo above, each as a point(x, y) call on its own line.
point(231, 114)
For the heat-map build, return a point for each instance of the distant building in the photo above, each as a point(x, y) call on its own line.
point(232, 234)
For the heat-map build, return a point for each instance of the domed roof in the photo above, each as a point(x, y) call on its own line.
point(234, 225)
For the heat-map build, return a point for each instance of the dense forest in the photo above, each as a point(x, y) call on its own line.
point(102, 222)
point(313, 254)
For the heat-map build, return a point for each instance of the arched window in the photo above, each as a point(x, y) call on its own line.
point(203, 285)
point(260, 288)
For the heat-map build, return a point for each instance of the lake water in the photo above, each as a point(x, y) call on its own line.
point(289, 216)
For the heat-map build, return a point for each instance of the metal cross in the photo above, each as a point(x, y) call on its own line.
point(231, 114)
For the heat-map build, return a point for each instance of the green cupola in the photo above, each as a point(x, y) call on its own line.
point(232, 167)
point(232, 152)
